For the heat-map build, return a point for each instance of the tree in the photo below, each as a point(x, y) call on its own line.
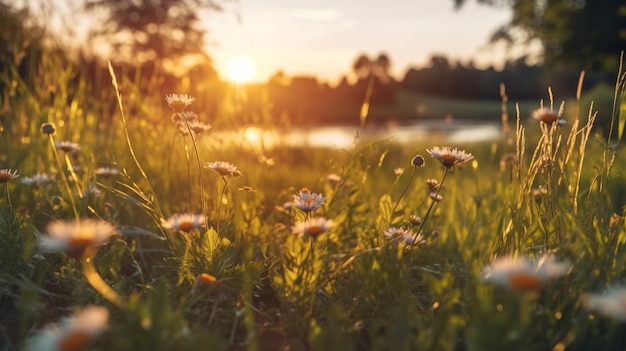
point(581, 34)
point(167, 33)
point(364, 67)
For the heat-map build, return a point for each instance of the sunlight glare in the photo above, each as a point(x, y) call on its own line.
point(253, 136)
point(240, 69)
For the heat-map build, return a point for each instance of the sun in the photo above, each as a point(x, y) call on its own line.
point(240, 69)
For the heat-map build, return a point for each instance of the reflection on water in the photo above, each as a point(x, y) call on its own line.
point(438, 132)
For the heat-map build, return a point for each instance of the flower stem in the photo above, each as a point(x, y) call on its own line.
point(8, 195)
point(402, 195)
point(189, 177)
point(70, 168)
point(219, 204)
point(63, 176)
point(197, 153)
point(96, 281)
point(432, 204)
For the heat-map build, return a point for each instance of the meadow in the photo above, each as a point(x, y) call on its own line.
point(127, 224)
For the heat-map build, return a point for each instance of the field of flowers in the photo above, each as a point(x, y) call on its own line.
point(138, 227)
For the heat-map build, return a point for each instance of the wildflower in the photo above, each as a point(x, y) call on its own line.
point(223, 168)
point(519, 273)
point(67, 146)
point(611, 303)
point(195, 126)
point(432, 184)
point(415, 219)
point(92, 189)
point(398, 171)
point(435, 234)
point(72, 333)
point(312, 227)
point(507, 160)
point(307, 201)
point(285, 207)
point(48, 128)
point(7, 174)
point(73, 237)
point(394, 232)
point(264, 160)
point(37, 180)
point(404, 235)
point(418, 161)
point(540, 190)
point(185, 116)
point(436, 197)
point(333, 178)
point(204, 280)
point(184, 222)
point(450, 157)
point(106, 172)
point(545, 116)
point(56, 201)
point(179, 102)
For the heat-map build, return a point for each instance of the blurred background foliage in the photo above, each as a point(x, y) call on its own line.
point(161, 46)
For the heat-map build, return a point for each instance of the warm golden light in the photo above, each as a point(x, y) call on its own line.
point(240, 69)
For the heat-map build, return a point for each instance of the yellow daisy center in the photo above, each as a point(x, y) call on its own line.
point(548, 117)
point(79, 243)
point(74, 341)
point(525, 282)
point(448, 160)
point(178, 105)
point(186, 226)
point(315, 230)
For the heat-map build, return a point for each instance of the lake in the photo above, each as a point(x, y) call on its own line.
point(432, 131)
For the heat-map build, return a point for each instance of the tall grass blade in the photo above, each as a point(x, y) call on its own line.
point(128, 141)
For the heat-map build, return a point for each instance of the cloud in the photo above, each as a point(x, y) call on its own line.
point(316, 14)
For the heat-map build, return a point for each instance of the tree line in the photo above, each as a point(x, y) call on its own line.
point(300, 97)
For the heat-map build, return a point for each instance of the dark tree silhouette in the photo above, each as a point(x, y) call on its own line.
point(162, 32)
point(582, 34)
point(363, 66)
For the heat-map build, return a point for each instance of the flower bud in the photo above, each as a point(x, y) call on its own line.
point(418, 161)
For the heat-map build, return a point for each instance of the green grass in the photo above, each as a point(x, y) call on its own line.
point(349, 288)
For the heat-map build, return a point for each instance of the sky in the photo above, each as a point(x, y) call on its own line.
point(323, 38)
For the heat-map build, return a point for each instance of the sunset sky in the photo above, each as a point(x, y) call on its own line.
point(324, 37)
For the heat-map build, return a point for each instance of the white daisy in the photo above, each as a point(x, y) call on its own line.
point(312, 227)
point(611, 303)
point(73, 237)
point(185, 222)
point(224, 169)
point(450, 157)
point(67, 146)
point(71, 333)
point(404, 235)
point(307, 201)
point(37, 180)
point(8, 174)
point(521, 274)
point(179, 102)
